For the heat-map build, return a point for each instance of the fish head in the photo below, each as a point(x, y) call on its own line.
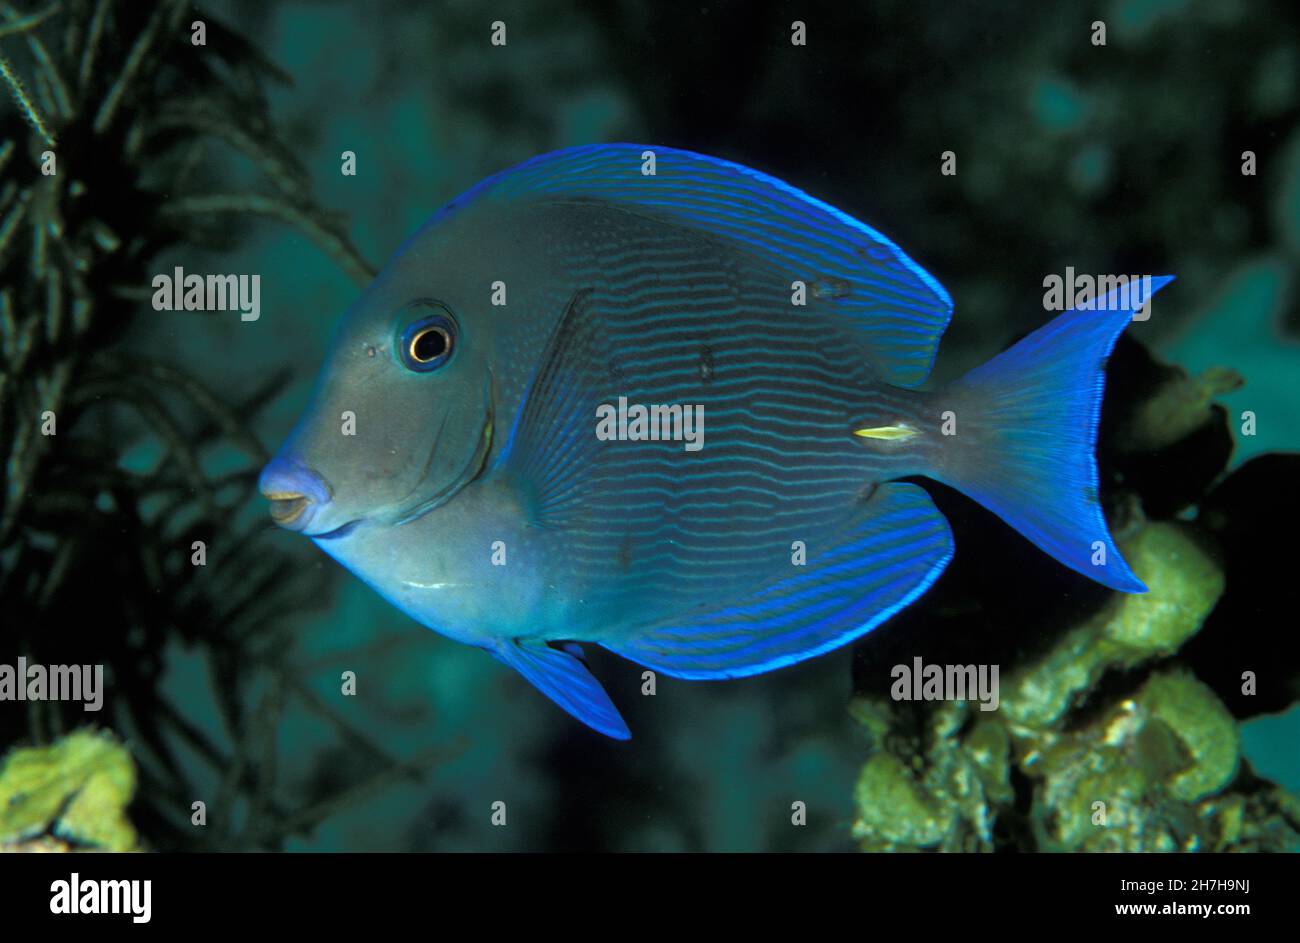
point(401, 417)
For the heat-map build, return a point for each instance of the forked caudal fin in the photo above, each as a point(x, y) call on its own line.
point(1026, 429)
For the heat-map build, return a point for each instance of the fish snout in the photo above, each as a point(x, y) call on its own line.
point(296, 493)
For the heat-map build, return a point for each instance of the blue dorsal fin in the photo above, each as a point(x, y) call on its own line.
point(550, 448)
point(895, 546)
point(566, 681)
point(897, 308)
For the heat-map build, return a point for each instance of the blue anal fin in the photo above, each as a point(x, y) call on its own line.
point(565, 680)
point(888, 553)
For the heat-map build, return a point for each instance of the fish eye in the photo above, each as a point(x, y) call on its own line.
point(428, 343)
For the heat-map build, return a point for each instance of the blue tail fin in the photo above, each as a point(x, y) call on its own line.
point(1026, 428)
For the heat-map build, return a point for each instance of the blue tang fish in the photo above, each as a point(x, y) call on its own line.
point(667, 413)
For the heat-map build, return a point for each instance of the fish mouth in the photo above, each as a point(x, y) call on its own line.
point(287, 508)
point(340, 531)
point(471, 469)
point(295, 492)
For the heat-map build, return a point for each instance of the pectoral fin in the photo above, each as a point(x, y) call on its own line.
point(566, 681)
point(552, 447)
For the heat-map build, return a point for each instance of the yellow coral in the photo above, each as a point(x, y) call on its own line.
point(72, 794)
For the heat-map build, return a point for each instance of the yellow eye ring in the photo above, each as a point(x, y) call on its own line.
point(427, 343)
point(430, 344)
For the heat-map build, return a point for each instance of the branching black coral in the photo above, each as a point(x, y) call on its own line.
point(102, 166)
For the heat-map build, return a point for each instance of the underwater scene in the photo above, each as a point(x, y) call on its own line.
point(632, 426)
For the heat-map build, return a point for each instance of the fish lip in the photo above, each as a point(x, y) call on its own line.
point(341, 531)
point(295, 492)
point(286, 509)
point(290, 477)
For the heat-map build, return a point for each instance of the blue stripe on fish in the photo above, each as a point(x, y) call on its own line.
point(896, 548)
point(675, 290)
point(899, 309)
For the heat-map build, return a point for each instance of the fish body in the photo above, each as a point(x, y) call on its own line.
point(667, 412)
